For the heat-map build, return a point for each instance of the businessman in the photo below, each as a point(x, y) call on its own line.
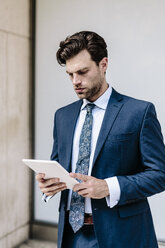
point(112, 144)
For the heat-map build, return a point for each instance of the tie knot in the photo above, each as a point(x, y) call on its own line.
point(89, 107)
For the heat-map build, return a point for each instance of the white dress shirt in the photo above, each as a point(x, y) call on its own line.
point(98, 115)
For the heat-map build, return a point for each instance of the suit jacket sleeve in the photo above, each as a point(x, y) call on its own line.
point(152, 179)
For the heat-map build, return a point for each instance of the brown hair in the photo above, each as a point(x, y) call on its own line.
point(77, 42)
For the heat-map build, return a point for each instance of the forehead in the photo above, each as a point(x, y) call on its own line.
point(79, 61)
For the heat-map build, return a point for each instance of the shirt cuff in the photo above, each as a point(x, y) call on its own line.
point(46, 198)
point(114, 191)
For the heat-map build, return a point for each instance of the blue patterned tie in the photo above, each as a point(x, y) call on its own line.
point(77, 207)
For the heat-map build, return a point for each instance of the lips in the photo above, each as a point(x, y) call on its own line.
point(79, 90)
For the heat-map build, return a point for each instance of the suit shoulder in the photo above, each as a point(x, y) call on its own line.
point(137, 103)
point(133, 105)
point(69, 107)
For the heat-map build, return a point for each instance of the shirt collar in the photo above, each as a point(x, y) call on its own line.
point(102, 101)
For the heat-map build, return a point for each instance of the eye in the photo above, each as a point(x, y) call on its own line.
point(70, 75)
point(82, 72)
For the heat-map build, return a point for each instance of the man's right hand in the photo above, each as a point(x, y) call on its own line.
point(50, 186)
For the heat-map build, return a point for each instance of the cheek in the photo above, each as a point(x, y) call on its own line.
point(93, 79)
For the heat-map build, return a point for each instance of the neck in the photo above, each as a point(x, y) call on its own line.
point(100, 93)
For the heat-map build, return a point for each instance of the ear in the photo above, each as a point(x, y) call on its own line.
point(103, 64)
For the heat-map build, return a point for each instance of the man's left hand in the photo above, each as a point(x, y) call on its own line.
point(91, 186)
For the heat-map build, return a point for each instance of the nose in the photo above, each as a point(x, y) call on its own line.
point(76, 79)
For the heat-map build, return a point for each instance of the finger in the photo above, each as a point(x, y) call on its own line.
point(54, 189)
point(79, 186)
point(80, 176)
point(54, 192)
point(40, 176)
point(84, 193)
point(48, 182)
point(51, 189)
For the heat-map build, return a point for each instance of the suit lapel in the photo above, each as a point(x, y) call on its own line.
point(73, 115)
point(111, 113)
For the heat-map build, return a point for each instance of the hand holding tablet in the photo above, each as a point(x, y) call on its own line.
point(51, 169)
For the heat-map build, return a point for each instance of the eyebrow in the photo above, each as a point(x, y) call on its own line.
point(85, 68)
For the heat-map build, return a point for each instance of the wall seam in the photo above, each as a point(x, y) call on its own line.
point(6, 134)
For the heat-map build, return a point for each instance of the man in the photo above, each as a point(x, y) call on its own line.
point(114, 144)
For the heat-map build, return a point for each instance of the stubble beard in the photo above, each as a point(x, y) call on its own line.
point(91, 93)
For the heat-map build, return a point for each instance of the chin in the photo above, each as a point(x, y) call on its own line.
point(81, 96)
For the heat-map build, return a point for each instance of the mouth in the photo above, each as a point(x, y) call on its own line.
point(79, 90)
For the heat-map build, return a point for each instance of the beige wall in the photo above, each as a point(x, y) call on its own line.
point(15, 84)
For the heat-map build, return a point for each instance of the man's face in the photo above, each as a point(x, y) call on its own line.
point(88, 78)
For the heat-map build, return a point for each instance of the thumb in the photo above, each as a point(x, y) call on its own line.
point(79, 176)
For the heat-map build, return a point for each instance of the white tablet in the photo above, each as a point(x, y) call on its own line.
point(51, 169)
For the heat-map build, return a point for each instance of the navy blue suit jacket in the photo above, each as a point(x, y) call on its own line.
point(130, 146)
